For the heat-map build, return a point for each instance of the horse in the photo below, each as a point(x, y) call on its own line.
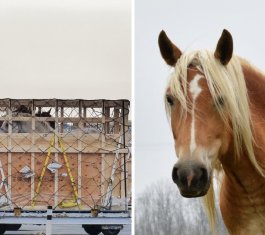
point(26, 126)
point(46, 114)
point(215, 102)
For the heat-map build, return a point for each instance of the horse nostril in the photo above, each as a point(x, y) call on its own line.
point(204, 173)
point(175, 174)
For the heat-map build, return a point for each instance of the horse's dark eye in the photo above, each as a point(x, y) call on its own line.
point(170, 100)
point(220, 101)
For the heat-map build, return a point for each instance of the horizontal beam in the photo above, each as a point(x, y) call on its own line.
point(69, 150)
point(63, 103)
point(104, 218)
point(60, 119)
point(65, 220)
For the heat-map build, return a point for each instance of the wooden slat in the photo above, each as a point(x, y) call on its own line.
point(65, 103)
point(69, 150)
point(32, 179)
point(60, 119)
point(9, 170)
point(79, 155)
point(56, 158)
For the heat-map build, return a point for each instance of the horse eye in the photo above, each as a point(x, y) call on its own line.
point(170, 100)
point(220, 101)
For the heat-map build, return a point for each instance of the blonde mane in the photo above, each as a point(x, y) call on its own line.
point(223, 81)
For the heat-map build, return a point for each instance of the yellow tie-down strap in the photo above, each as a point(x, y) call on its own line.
point(69, 173)
point(43, 170)
point(76, 200)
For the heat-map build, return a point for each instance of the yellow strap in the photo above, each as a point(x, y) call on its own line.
point(69, 171)
point(67, 167)
point(68, 204)
point(43, 170)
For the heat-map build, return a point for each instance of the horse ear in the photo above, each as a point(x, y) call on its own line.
point(224, 48)
point(168, 50)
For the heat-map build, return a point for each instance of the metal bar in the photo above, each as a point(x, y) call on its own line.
point(49, 221)
point(65, 213)
point(36, 220)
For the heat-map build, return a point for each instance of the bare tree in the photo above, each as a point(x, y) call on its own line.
point(161, 210)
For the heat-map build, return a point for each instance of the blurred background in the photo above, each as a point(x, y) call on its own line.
point(65, 49)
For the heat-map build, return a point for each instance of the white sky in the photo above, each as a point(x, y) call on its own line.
point(191, 25)
point(65, 49)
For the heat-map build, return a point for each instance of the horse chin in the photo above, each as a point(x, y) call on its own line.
point(193, 194)
point(196, 193)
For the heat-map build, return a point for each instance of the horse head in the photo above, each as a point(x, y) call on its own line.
point(46, 114)
point(22, 109)
point(196, 115)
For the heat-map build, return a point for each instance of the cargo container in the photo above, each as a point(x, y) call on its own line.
point(65, 161)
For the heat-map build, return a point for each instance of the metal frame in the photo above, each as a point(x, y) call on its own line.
point(66, 218)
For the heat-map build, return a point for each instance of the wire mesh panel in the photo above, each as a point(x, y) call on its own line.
point(71, 154)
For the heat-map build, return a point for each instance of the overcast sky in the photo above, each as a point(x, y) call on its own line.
point(65, 49)
point(191, 25)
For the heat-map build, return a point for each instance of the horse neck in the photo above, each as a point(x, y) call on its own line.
point(255, 82)
point(243, 187)
point(240, 171)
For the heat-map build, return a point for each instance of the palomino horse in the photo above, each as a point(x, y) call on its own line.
point(216, 105)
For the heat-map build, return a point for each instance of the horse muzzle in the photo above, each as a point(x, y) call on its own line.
point(192, 179)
